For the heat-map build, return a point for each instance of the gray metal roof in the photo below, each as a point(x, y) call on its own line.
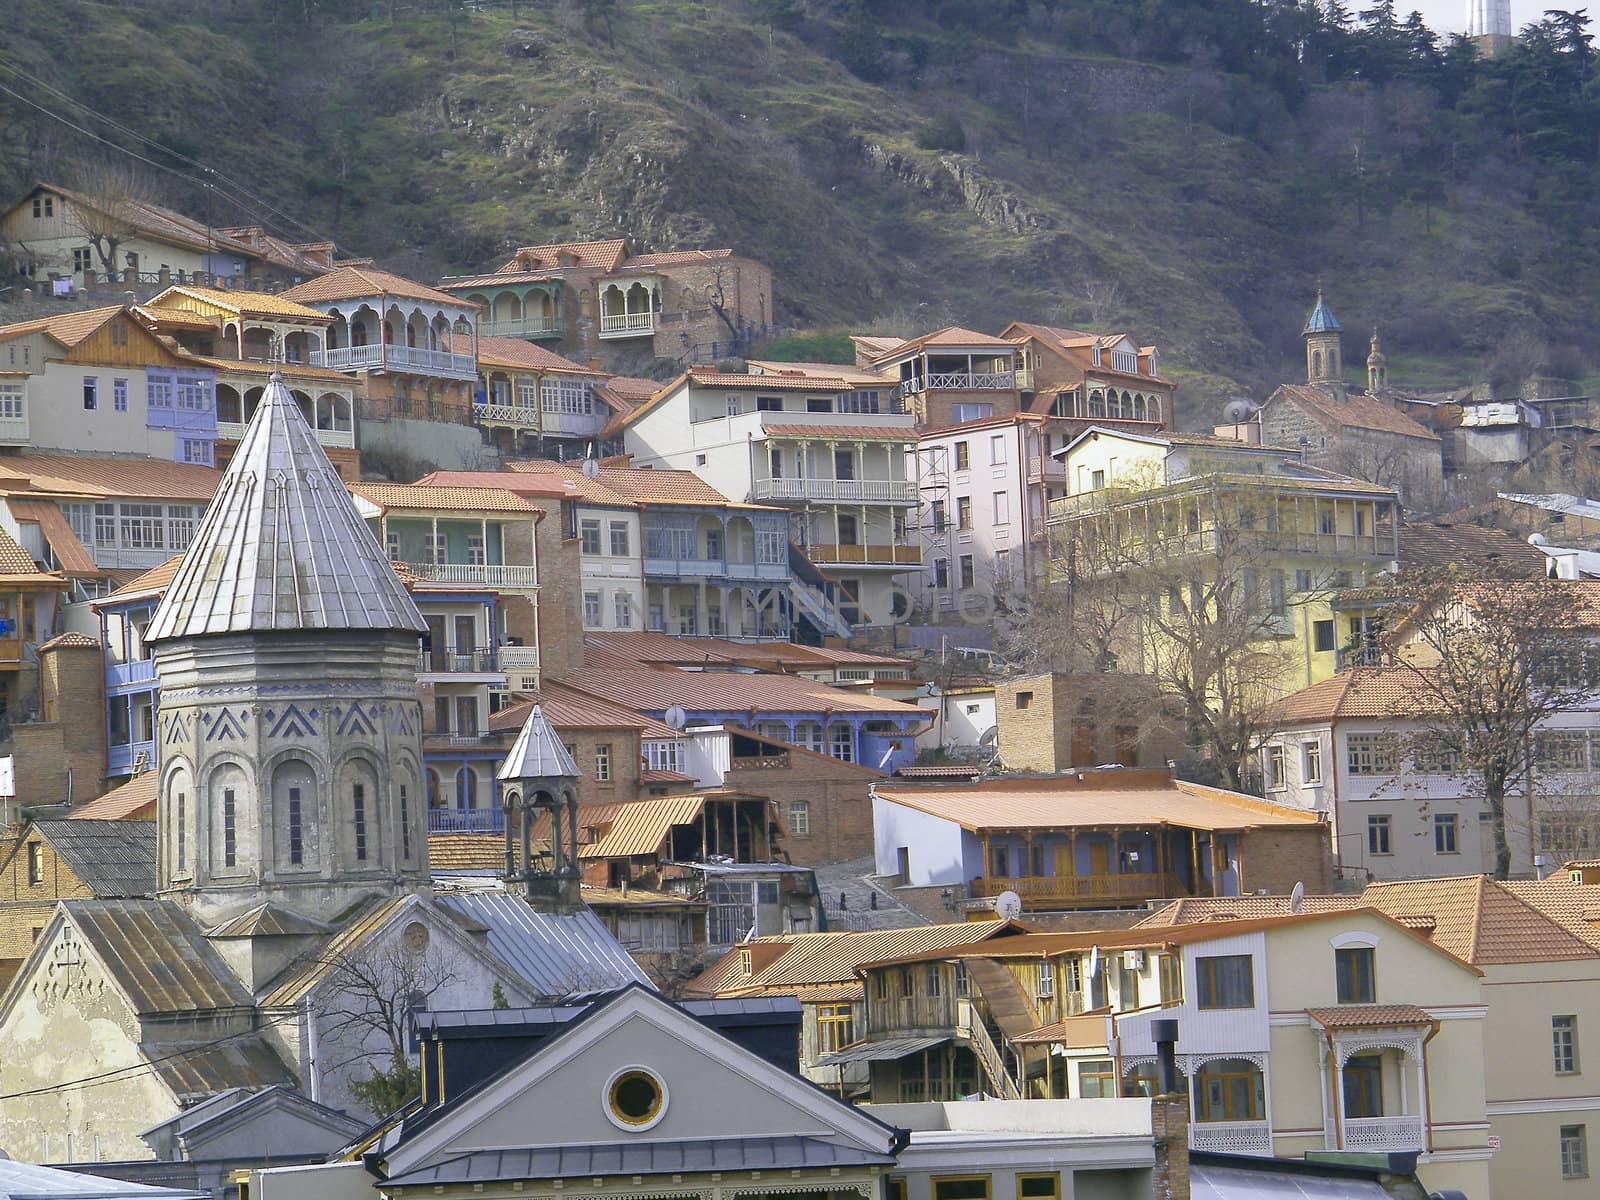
point(24, 1181)
point(282, 547)
point(880, 1051)
point(113, 859)
point(157, 956)
point(556, 953)
point(537, 753)
point(205, 1068)
point(1209, 1181)
point(643, 1158)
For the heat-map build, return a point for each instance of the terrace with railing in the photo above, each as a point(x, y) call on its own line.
point(389, 357)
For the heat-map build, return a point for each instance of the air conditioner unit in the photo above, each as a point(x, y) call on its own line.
point(1133, 960)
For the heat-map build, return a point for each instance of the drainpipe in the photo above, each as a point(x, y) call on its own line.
point(1427, 1092)
point(313, 1063)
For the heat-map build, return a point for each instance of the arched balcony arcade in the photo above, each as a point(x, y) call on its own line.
point(411, 338)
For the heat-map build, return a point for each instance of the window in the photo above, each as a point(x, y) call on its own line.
point(1276, 777)
point(841, 744)
point(800, 818)
point(572, 397)
point(848, 530)
point(622, 611)
point(664, 756)
point(1097, 1079)
point(1356, 971)
point(602, 763)
point(197, 450)
point(143, 526)
point(358, 810)
point(997, 448)
point(391, 543)
point(35, 863)
point(835, 1027)
point(968, 576)
point(1311, 762)
point(591, 609)
point(619, 539)
point(1371, 753)
point(405, 825)
point(769, 403)
point(860, 402)
point(1564, 1037)
point(437, 547)
point(1378, 835)
point(941, 572)
point(1574, 1152)
point(157, 391)
point(1171, 972)
point(1363, 1086)
point(963, 458)
point(589, 536)
point(1225, 981)
point(297, 846)
point(1561, 750)
point(963, 512)
point(999, 861)
point(230, 829)
point(938, 516)
point(44, 206)
point(635, 1100)
point(844, 464)
point(91, 394)
point(119, 395)
point(1444, 833)
point(1322, 635)
point(1039, 1187)
point(1229, 1089)
point(1002, 510)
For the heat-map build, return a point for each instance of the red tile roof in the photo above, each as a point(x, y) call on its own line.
point(600, 256)
point(517, 483)
point(671, 258)
point(1369, 1016)
point(573, 483)
point(1357, 411)
point(572, 708)
point(84, 475)
point(1363, 692)
point(734, 692)
point(713, 378)
point(517, 354)
point(953, 336)
point(70, 641)
point(133, 801)
point(360, 283)
point(470, 499)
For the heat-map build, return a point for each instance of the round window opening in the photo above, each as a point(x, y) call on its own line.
point(636, 1099)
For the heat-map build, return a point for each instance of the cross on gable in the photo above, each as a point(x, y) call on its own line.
point(65, 953)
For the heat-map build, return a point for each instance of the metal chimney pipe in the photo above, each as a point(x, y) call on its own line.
point(1164, 1032)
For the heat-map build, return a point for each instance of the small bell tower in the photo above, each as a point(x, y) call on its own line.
point(1377, 368)
point(538, 775)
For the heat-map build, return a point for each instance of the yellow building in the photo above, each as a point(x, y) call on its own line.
point(1179, 509)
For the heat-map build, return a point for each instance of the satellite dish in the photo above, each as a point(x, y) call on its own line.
point(1238, 409)
point(1008, 905)
point(676, 718)
point(990, 736)
point(1297, 898)
point(1537, 539)
point(591, 469)
point(1094, 962)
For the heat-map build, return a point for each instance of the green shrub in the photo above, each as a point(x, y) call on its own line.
point(942, 133)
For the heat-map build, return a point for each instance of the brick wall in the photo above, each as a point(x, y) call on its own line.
point(1169, 1124)
point(1126, 722)
point(71, 684)
point(835, 794)
point(1277, 859)
point(26, 906)
point(560, 587)
point(624, 746)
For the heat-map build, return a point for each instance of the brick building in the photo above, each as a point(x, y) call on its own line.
point(825, 804)
point(1056, 722)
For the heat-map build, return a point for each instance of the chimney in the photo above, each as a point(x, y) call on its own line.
point(1169, 1118)
point(596, 365)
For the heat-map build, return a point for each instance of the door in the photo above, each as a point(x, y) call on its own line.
point(435, 648)
point(1082, 743)
point(466, 636)
point(1065, 867)
point(1099, 858)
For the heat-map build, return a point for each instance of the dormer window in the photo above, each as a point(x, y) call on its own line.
point(1126, 361)
point(1095, 354)
point(744, 962)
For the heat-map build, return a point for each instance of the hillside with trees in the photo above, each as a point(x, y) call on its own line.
point(1185, 168)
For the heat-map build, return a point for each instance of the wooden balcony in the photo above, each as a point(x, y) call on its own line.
point(1045, 468)
point(1046, 891)
point(960, 381)
point(896, 1014)
point(824, 554)
point(621, 325)
point(522, 416)
point(522, 327)
point(406, 359)
point(881, 491)
point(10, 652)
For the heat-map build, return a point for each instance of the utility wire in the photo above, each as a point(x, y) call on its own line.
point(245, 199)
point(128, 1072)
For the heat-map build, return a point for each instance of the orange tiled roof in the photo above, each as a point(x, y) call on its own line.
point(1574, 906)
point(713, 378)
point(657, 485)
point(671, 258)
point(152, 583)
point(473, 499)
point(573, 483)
point(634, 387)
point(518, 483)
point(600, 256)
point(1369, 1016)
point(68, 328)
point(359, 283)
point(517, 354)
point(728, 691)
point(1442, 544)
point(1479, 920)
point(572, 708)
point(15, 561)
point(1357, 411)
point(132, 801)
point(467, 852)
point(1362, 692)
point(950, 335)
point(843, 371)
point(74, 558)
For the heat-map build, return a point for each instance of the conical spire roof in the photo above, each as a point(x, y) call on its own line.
point(1321, 319)
point(537, 753)
point(282, 546)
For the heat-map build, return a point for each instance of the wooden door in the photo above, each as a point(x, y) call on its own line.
point(1099, 858)
point(1065, 867)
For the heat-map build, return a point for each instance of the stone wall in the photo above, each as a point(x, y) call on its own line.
point(413, 444)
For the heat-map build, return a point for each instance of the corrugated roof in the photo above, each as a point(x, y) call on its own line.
point(360, 283)
point(681, 1156)
point(300, 981)
point(641, 828)
point(472, 499)
point(24, 1181)
point(269, 920)
point(569, 707)
point(71, 553)
point(113, 859)
point(557, 954)
point(735, 692)
point(67, 328)
point(804, 961)
point(157, 956)
point(77, 475)
point(163, 224)
point(250, 304)
point(205, 1068)
point(1129, 798)
point(282, 547)
point(133, 801)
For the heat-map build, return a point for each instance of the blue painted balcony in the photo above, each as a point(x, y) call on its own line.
point(121, 760)
point(466, 820)
point(127, 674)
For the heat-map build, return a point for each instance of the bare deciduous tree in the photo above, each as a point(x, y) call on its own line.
point(1490, 660)
point(108, 214)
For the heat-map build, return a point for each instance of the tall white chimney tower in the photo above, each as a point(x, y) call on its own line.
point(1489, 18)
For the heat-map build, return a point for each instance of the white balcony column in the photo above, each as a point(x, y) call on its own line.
point(433, 544)
point(483, 532)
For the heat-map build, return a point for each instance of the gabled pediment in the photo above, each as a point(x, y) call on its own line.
point(638, 1071)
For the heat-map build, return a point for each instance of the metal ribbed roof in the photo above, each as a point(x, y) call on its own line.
point(537, 753)
point(282, 546)
point(111, 858)
point(1321, 319)
point(157, 956)
point(558, 954)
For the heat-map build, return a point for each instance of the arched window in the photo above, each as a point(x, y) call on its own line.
point(180, 807)
point(466, 788)
point(1316, 364)
point(294, 815)
point(232, 831)
point(360, 812)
